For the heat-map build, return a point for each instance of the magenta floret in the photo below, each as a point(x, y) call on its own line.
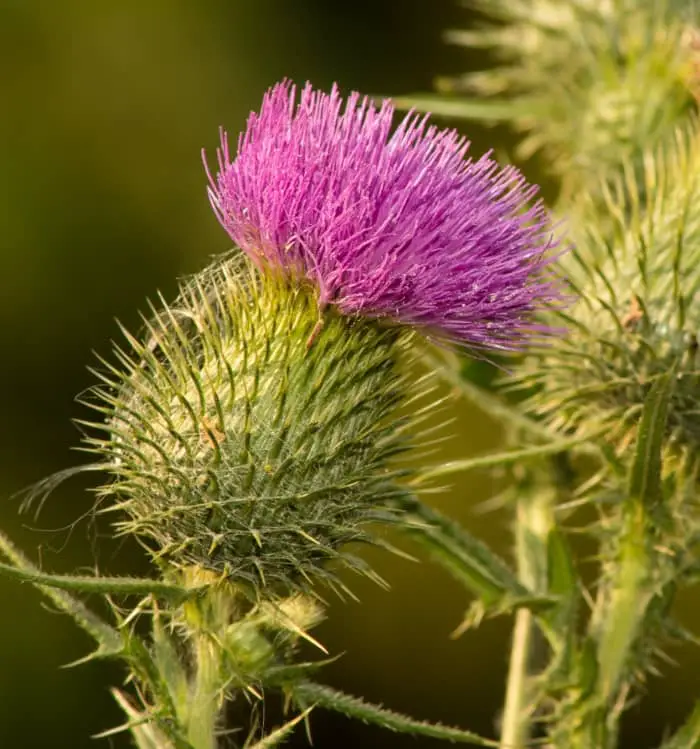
point(389, 224)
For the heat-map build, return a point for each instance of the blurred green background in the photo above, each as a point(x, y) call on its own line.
point(104, 109)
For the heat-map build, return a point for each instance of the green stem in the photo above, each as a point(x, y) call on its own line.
point(616, 627)
point(515, 731)
point(629, 584)
point(207, 620)
point(534, 520)
point(629, 597)
point(205, 698)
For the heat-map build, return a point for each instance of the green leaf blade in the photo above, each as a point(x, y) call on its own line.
point(312, 694)
point(491, 111)
point(645, 474)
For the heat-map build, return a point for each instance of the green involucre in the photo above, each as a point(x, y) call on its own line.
point(637, 278)
point(245, 437)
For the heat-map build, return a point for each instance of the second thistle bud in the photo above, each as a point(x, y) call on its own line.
point(245, 437)
point(637, 316)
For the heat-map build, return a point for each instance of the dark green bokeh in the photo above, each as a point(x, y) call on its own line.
point(105, 107)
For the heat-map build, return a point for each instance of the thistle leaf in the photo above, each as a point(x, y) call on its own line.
point(688, 735)
point(447, 366)
point(490, 111)
point(645, 471)
point(141, 727)
point(510, 457)
point(309, 693)
point(109, 640)
point(467, 558)
point(128, 586)
point(276, 737)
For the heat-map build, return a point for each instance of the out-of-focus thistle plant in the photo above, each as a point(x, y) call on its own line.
point(585, 82)
point(251, 432)
point(627, 377)
point(607, 92)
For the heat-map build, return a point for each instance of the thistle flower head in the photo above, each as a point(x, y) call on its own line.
point(248, 435)
point(388, 224)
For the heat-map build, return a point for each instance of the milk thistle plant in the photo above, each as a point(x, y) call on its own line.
point(256, 426)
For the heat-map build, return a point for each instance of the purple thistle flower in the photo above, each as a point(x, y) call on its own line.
point(388, 225)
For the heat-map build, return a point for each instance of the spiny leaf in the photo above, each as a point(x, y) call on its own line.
point(645, 472)
point(108, 585)
point(507, 604)
point(144, 667)
point(309, 693)
point(688, 735)
point(561, 570)
point(447, 367)
point(559, 621)
point(280, 734)
point(468, 559)
point(502, 459)
point(622, 612)
point(109, 640)
point(296, 671)
point(141, 726)
point(482, 110)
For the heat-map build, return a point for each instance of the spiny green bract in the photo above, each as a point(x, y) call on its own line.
point(588, 82)
point(248, 437)
point(637, 278)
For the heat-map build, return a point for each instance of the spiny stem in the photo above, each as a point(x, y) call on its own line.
point(628, 601)
point(623, 601)
point(515, 730)
point(205, 699)
point(534, 520)
point(616, 626)
point(280, 734)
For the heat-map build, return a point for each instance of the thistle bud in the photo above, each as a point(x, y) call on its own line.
point(637, 315)
point(237, 445)
point(586, 83)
